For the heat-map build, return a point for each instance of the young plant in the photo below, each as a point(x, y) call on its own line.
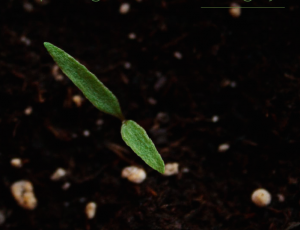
point(104, 100)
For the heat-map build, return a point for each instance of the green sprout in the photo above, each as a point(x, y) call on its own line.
point(104, 100)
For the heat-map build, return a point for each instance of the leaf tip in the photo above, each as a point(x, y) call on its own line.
point(47, 44)
point(161, 169)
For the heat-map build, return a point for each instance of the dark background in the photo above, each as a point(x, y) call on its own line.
point(244, 70)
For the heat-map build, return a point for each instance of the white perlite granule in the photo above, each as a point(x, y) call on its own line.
point(215, 119)
point(171, 169)
point(134, 174)
point(132, 36)
point(28, 110)
point(77, 99)
point(86, 133)
point(23, 193)
point(16, 162)
point(124, 8)
point(90, 210)
point(58, 174)
point(236, 11)
point(261, 197)
point(223, 147)
point(178, 55)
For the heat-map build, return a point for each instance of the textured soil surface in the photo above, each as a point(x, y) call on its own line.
point(174, 66)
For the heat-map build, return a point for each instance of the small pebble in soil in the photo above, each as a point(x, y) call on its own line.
point(171, 169)
point(66, 186)
point(99, 122)
point(233, 84)
point(160, 135)
point(160, 83)
point(293, 180)
point(16, 162)
point(162, 117)
point(178, 55)
point(185, 170)
point(152, 101)
point(261, 197)
point(28, 110)
point(77, 99)
point(90, 210)
point(127, 65)
point(132, 36)
point(215, 119)
point(227, 82)
point(23, 193)
point(58, 174)
point(223, 147)
point(235, 12)
point(56, 73)
point(86, 133)
point(2, 217)
point(124, 8)
point(25, 40)
point(281, 197)
point(134, 174)
point(28, 7)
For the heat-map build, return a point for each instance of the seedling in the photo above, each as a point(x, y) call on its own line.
point(104, 100)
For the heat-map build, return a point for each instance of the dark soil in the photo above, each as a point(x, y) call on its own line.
point(244, 70)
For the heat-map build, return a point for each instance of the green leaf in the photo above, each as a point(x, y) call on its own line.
point(137, 139)
point(94, 90)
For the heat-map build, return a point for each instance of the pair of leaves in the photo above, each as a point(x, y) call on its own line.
point(104, 100)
